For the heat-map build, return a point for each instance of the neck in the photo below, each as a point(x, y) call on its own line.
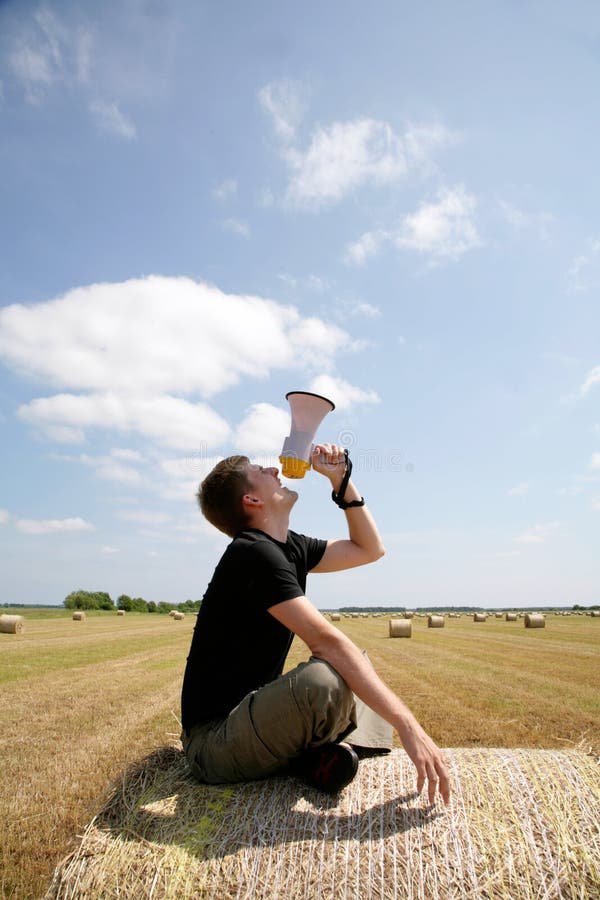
point(275, 527)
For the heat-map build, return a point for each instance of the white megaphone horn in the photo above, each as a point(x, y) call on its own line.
point(308, 411)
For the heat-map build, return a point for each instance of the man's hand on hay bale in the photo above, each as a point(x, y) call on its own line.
point(427, 758)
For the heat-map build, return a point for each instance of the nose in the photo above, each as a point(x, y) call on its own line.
point(274, 471)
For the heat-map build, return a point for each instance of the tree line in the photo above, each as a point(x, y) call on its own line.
point(102, 600)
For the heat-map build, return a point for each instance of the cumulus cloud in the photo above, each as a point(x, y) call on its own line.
point(342, 393)
point(53, 526)
point(109, 118)
point(440, 229)
point(262, 430)
point(144, 516)
point(4, 516)
point(346, 155)
point(595, 461)
point(124, 354)
point(539, 534)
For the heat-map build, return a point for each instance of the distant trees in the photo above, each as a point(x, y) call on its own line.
point(101, 600)
point(88, 600)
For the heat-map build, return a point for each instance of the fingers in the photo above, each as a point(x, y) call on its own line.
point(332, 454)
point(435, 772)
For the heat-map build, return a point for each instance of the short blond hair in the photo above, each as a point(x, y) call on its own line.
point(220, 495)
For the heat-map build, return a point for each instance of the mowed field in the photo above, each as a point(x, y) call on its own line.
point(81, 700)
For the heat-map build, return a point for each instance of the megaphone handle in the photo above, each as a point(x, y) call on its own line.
point(339, 497)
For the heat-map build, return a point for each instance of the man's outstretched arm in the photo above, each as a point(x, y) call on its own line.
point(363, 544)
point(328, 643)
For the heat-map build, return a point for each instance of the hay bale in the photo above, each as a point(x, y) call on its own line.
point(498, 615)
point(595, 613)
point(120, 612)
point(178, 616)
point(409, 615)
point(11, 624)
point(79, 616)
point(435, 621)
point(522, 824)
point(479, 617)
point(172, 612)
point(511, 617)
point(335, 617)
point(400, 628)
point(534, 620)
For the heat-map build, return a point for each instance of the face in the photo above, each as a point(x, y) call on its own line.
point(266, 485)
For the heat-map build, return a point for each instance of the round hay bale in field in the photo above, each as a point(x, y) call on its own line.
point(479, 617)
point(120, 612)
point(335, 617)
point(534, 620)
point(178, 616)
point(498, 615)
point(522, 824)
point(400, 628)
point(511, 617)
point(79, 616)
point(435, 621)
point(409, 615)
point(172, 612)
point(12, 624)
point(595, 613)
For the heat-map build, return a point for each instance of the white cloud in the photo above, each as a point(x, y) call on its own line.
point(592, 379)
point(596, 504)
point(262, 430)
point(237, 226)
point(347, 155)
point(4, 516)
point(108, 117)
point(285, 102)
point(110, 468)
point(108, 550)
point(539, 533)
point(368, 245)
point(225, 190)
point(440, 229)
point(595, 461)
point(125, 453)
point(342, 393)
point(53, 526)
point(443, 228)
point(519, 489)
point(126, 352)
point(46, 52)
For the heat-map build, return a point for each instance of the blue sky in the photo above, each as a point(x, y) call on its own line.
point(206, 205)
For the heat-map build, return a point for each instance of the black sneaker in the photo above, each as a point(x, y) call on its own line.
point(328, 768)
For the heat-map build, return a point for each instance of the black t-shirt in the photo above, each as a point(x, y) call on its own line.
point(237, 644)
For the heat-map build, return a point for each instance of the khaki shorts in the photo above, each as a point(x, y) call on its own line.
point(308, 706)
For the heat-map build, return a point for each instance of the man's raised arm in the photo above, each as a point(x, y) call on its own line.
point(364, 544)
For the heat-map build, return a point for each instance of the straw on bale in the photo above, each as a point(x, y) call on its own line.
point(400, 628)
point(511, 617)
point(335, 617)
point(534, 620)
point(409, 615)
point(177, 616)
point(172, 612)
point(522, 824)
point(595, 613)
point(498, 615)
point(12, 624)
point(479, 617)
point(79, 616)
point(120, 612)
point(435, 621)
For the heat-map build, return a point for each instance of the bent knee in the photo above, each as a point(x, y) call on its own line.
point(321, 684)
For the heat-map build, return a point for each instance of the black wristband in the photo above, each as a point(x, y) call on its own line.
point(339, 497)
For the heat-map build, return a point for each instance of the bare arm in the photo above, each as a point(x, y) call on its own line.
point(364, 544)
point(330, 644)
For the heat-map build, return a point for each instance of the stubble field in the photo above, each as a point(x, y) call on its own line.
point(81, 700)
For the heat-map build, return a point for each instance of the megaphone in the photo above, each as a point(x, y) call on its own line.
point(308, 411)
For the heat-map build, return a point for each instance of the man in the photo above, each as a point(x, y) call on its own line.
point(241, 718)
